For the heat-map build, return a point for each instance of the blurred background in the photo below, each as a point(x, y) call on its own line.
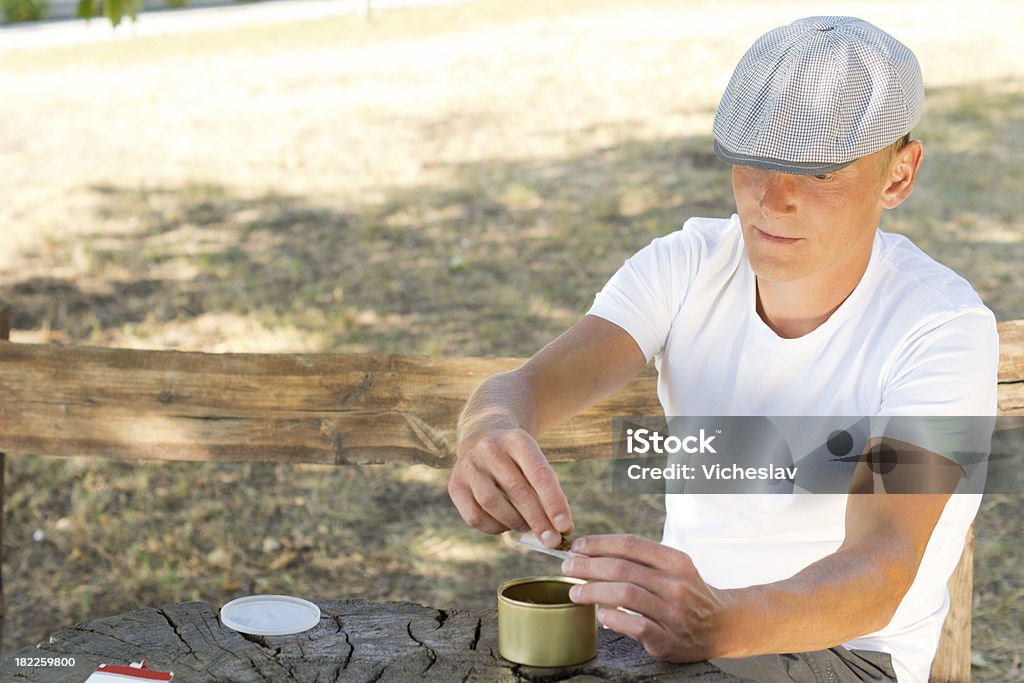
point(456, 179)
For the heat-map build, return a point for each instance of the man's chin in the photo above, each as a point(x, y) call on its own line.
point(777, 270)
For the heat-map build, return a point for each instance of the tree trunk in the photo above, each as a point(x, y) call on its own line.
point(356, 640)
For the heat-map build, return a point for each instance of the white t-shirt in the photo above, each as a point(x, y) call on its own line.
point(912, 339)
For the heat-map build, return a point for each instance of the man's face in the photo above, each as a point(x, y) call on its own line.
point(801, 226)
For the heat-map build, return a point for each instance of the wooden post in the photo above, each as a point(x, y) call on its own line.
point(952, 663)
point(5, 331)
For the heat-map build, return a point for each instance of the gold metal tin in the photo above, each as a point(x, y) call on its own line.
point(538, 625)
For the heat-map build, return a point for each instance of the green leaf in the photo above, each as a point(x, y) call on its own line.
point(111, 9)
point(86, 9)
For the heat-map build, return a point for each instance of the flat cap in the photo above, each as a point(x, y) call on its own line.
point(816, 95)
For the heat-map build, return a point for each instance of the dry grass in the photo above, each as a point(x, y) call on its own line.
point(448, 181)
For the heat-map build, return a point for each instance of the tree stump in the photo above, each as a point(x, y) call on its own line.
point(356, 640)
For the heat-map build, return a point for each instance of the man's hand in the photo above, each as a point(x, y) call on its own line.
point(502, 481)
point(676, 612)
point(844, 595)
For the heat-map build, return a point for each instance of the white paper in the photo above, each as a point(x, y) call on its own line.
point(531, 542)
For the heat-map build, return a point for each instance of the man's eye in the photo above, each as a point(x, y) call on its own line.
point(824, 176)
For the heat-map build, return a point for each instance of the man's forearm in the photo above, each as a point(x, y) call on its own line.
point(852, 592)
point(586, 363)
point(839, 598)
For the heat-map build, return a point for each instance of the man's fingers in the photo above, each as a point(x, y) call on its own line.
point(633, 548)
point(619, 594)
point(535, 467)
point(474, 515)
point(491, 499)
point(638, 627)
point(504, 476)
point(611, 569)
point(522, 494)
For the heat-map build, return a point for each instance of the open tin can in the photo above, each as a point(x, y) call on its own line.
point(538, 625)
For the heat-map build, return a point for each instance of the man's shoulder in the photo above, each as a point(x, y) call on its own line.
point(912, 279)
point(703, 250)
point(712, 230)
point(703, 236)
point(942, 339)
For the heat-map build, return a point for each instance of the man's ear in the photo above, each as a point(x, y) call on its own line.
point(901, 175)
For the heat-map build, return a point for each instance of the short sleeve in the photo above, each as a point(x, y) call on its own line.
point(942, 393)
point(949, 367)
point(644, 295)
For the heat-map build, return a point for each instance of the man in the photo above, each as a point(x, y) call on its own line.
point(797, 305)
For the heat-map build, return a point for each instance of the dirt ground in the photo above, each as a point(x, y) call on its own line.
point(455, 180)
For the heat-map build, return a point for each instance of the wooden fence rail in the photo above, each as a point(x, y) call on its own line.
point(327, 409)
point(317, 408)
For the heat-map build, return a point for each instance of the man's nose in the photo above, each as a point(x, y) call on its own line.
point(777, 194)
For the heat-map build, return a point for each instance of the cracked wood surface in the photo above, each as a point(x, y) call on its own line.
point(356, 640)
point(316, 408)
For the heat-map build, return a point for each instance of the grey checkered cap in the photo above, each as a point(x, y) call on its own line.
point(814, 96)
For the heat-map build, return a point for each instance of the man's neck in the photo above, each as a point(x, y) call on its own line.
point(793, 309)
point(788, 318)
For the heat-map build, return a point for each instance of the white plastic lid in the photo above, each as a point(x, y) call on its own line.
point(270, 615)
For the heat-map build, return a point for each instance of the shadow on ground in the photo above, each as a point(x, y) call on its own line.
point(497, 261)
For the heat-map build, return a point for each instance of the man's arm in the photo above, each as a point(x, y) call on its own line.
point(501, 479)
point(850, 593)
point(854, 591)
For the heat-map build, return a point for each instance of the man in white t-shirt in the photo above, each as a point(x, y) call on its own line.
point(797, 305)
